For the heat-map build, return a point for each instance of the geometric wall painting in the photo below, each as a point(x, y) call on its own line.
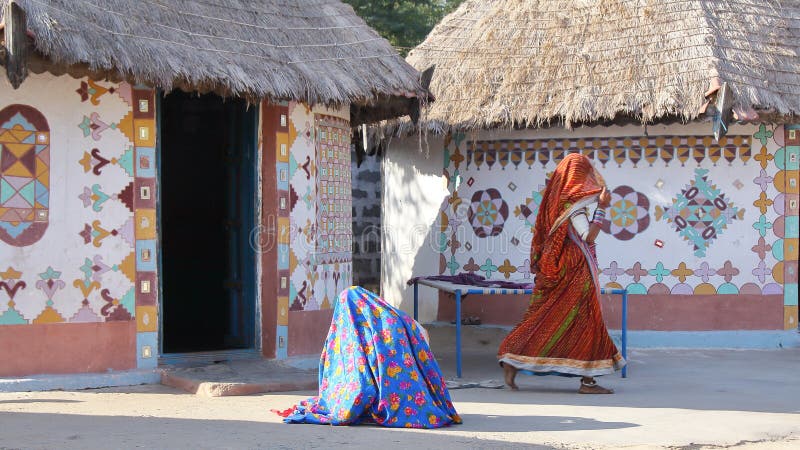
point(487, 213)
point(49, 283)
point(528, 211)
point(498, 208)
point(628, 213)
point(24, 175)
point(319, 212)
point(11, 284)
point(700, 212)
point(334, 208)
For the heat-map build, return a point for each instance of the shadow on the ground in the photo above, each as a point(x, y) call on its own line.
point(67, 431)
point(706, 380)
point(537, 423)
point(150, 389)
point(38, 400)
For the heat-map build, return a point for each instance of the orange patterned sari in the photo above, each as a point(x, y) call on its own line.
point(562, 332)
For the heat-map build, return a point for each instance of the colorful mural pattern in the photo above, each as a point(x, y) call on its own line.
point(650, 149)
point(487, 213)
point(695, 196)
point(107, 223)
point(699, 213)
point(334, 194)
point(786, 228)
point(24, 175)
point(11, 285)
point(530, 208)
point(316, 151)
point(628, 213)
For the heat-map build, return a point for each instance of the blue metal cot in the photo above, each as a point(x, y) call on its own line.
point(462, 290)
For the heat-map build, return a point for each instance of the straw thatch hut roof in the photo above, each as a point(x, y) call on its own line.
point(316, 51)
point(532, 63)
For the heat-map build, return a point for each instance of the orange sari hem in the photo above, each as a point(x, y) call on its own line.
point(564, 365)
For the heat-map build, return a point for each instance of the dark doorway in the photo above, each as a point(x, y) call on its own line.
point(207, 188)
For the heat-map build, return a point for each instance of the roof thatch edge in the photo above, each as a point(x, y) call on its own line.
point(329, 66)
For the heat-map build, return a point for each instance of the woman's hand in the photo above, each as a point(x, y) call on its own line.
point(605, 198)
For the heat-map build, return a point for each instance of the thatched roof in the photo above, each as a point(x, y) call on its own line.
point(317, 51)
point(529, 63)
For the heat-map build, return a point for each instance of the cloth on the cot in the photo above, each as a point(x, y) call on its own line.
point(376, 366)
point(471, 279)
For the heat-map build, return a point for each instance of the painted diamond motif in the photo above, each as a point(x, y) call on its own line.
point(24, 175)
point(700, 213)
point(528, 211)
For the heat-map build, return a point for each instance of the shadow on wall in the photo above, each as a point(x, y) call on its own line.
point(414, 189)
point(418, 192)
point(366, 194)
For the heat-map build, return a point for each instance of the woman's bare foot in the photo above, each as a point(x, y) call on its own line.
point(590, 386)
point(510, 372)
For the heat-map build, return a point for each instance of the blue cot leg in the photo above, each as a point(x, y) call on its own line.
point(416, 299)
point(625, 332)
point(458, 333)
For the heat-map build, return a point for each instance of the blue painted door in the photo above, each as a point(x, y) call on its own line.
point(240, 161)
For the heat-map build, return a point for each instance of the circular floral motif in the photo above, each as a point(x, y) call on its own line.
point(487, 213)
point(628, 214)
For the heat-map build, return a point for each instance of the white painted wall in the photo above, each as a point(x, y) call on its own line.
point(414, 189)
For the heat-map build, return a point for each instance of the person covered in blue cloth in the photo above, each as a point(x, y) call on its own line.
point(376, 367)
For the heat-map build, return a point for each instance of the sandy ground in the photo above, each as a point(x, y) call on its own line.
point(672, 399)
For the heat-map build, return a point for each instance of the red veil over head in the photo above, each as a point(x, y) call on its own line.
point(574, 181)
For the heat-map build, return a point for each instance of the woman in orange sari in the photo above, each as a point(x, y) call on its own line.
point(562, 332)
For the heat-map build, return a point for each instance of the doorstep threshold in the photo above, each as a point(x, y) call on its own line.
point(209, 357)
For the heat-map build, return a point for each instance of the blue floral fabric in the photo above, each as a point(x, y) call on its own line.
point(376, 367)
